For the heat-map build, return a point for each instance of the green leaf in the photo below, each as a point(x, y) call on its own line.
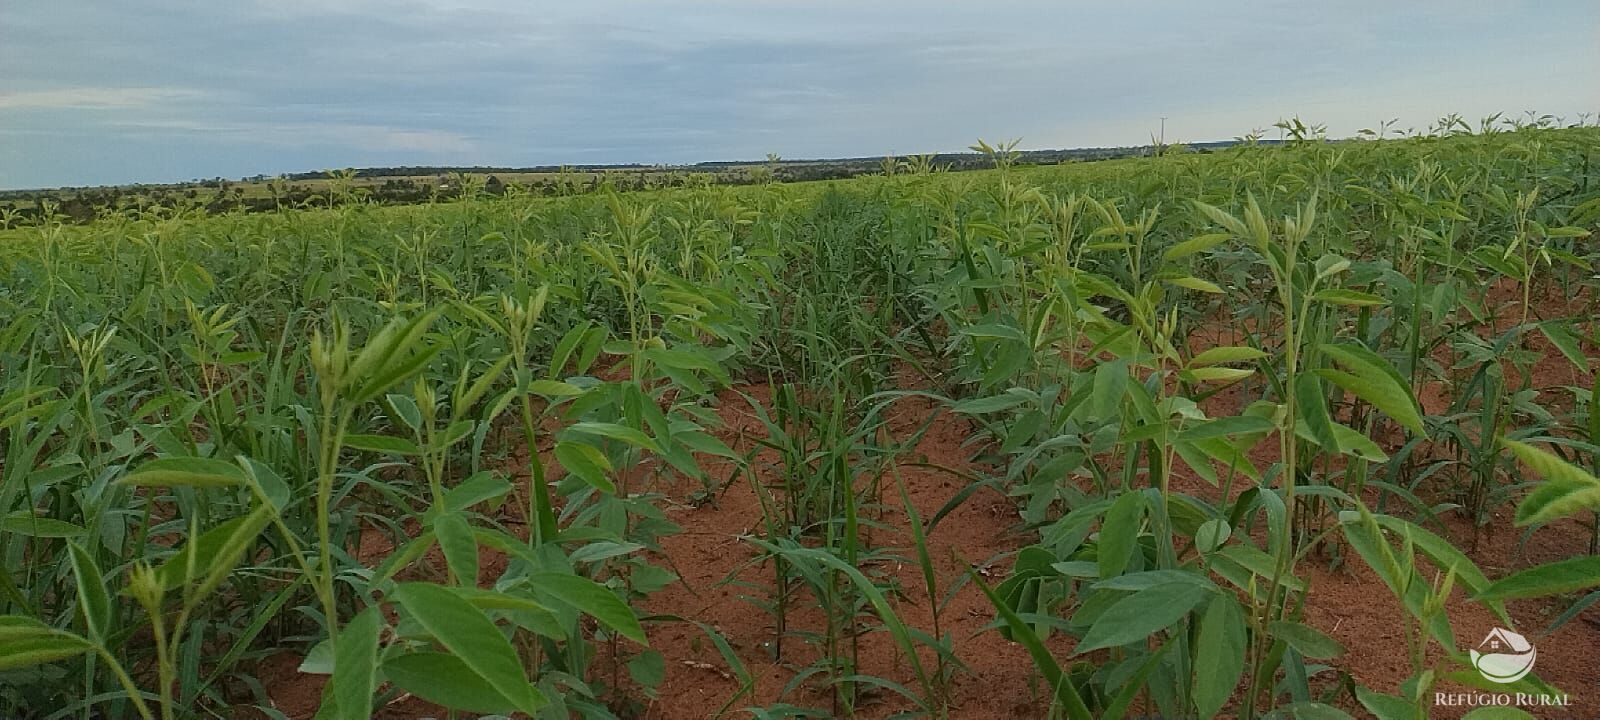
point(405, 410)
point(393, 374)
point(1196, 244)
point(93, 601)
point(229, 553)
point(1212, 534)
point(565, 347)
point(554, 388)
point(459, 546)
point(1566, 232)
point(620, 433)
point(1445, 555)
point(217, 549)
point(648, 669)
point(1560, 335)
point(1386, 707)
point(185, 472)
point(444, 679)
point(1256, 562)
point(1141, 615)
point(1225, 354)
point(1557, 498)
point(1119, 534)
point(1312, 408)
point(1349, 298)
point(1220, 427)
point(25, 642)
point(481, 487)
point(355, 665)
point(384, 360)
point(382, 444)
point(318, 659)
point(30, 525)
point(1194, 283)
point(1219, 655)
point(1309, 641)
point(682, 359)
point(586, 462)
point(593, 599)
point(1566, 490)
point(1218, 374)
point(1354, 443)
point(1224, 219)
point(985, 405)
point(1374, 380)
point(1551, 579)
point(994, 330)
point(472, 637)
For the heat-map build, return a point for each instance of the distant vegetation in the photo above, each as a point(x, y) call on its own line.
point(407, 185)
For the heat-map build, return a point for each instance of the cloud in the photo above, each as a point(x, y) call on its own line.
point(366, 137)
point(174, 89)
point(95, 98)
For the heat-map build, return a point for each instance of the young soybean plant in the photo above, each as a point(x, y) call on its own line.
point(1133, 583)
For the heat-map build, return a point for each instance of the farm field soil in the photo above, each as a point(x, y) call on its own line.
point(721, 587)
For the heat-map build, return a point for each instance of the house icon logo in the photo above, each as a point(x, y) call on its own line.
point(1504, 656)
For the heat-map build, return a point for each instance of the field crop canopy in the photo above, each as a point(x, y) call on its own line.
point(1264, 431)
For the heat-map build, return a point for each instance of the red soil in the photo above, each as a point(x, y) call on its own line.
point(1346, 601)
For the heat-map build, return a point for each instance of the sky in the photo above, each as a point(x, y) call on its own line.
point(96, 92)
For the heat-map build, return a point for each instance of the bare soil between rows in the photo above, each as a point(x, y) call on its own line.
point(722, 588)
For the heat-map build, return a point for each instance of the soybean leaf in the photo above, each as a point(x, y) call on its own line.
point(473, 638)
point(93, 600)
point(1386, 707)
point(1219, 658)
point(985, 405)
point(1220, 427)
point(459, 546)
point(1196, 244)
point(586, 462)
point(1312, 409)
point(1119, 533)
point(648, 669)
point(1561, 336)
point(593, 599)
point(1225, 354)
point(481, 487)
point(1374, 380)
point(1565, 491)
point(25, 641)
point(1550, 579)
point(211, 549)
point(185, 472)
point(1350, 298)
point(620, 433)
point(355, 665)
point(1141, 614)
point(30, 525)
point(444, 679)
point(1309, 641)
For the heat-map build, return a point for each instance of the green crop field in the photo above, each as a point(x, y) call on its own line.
point(1176, 436)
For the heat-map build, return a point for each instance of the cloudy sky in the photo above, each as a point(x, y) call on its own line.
point(163, 90)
